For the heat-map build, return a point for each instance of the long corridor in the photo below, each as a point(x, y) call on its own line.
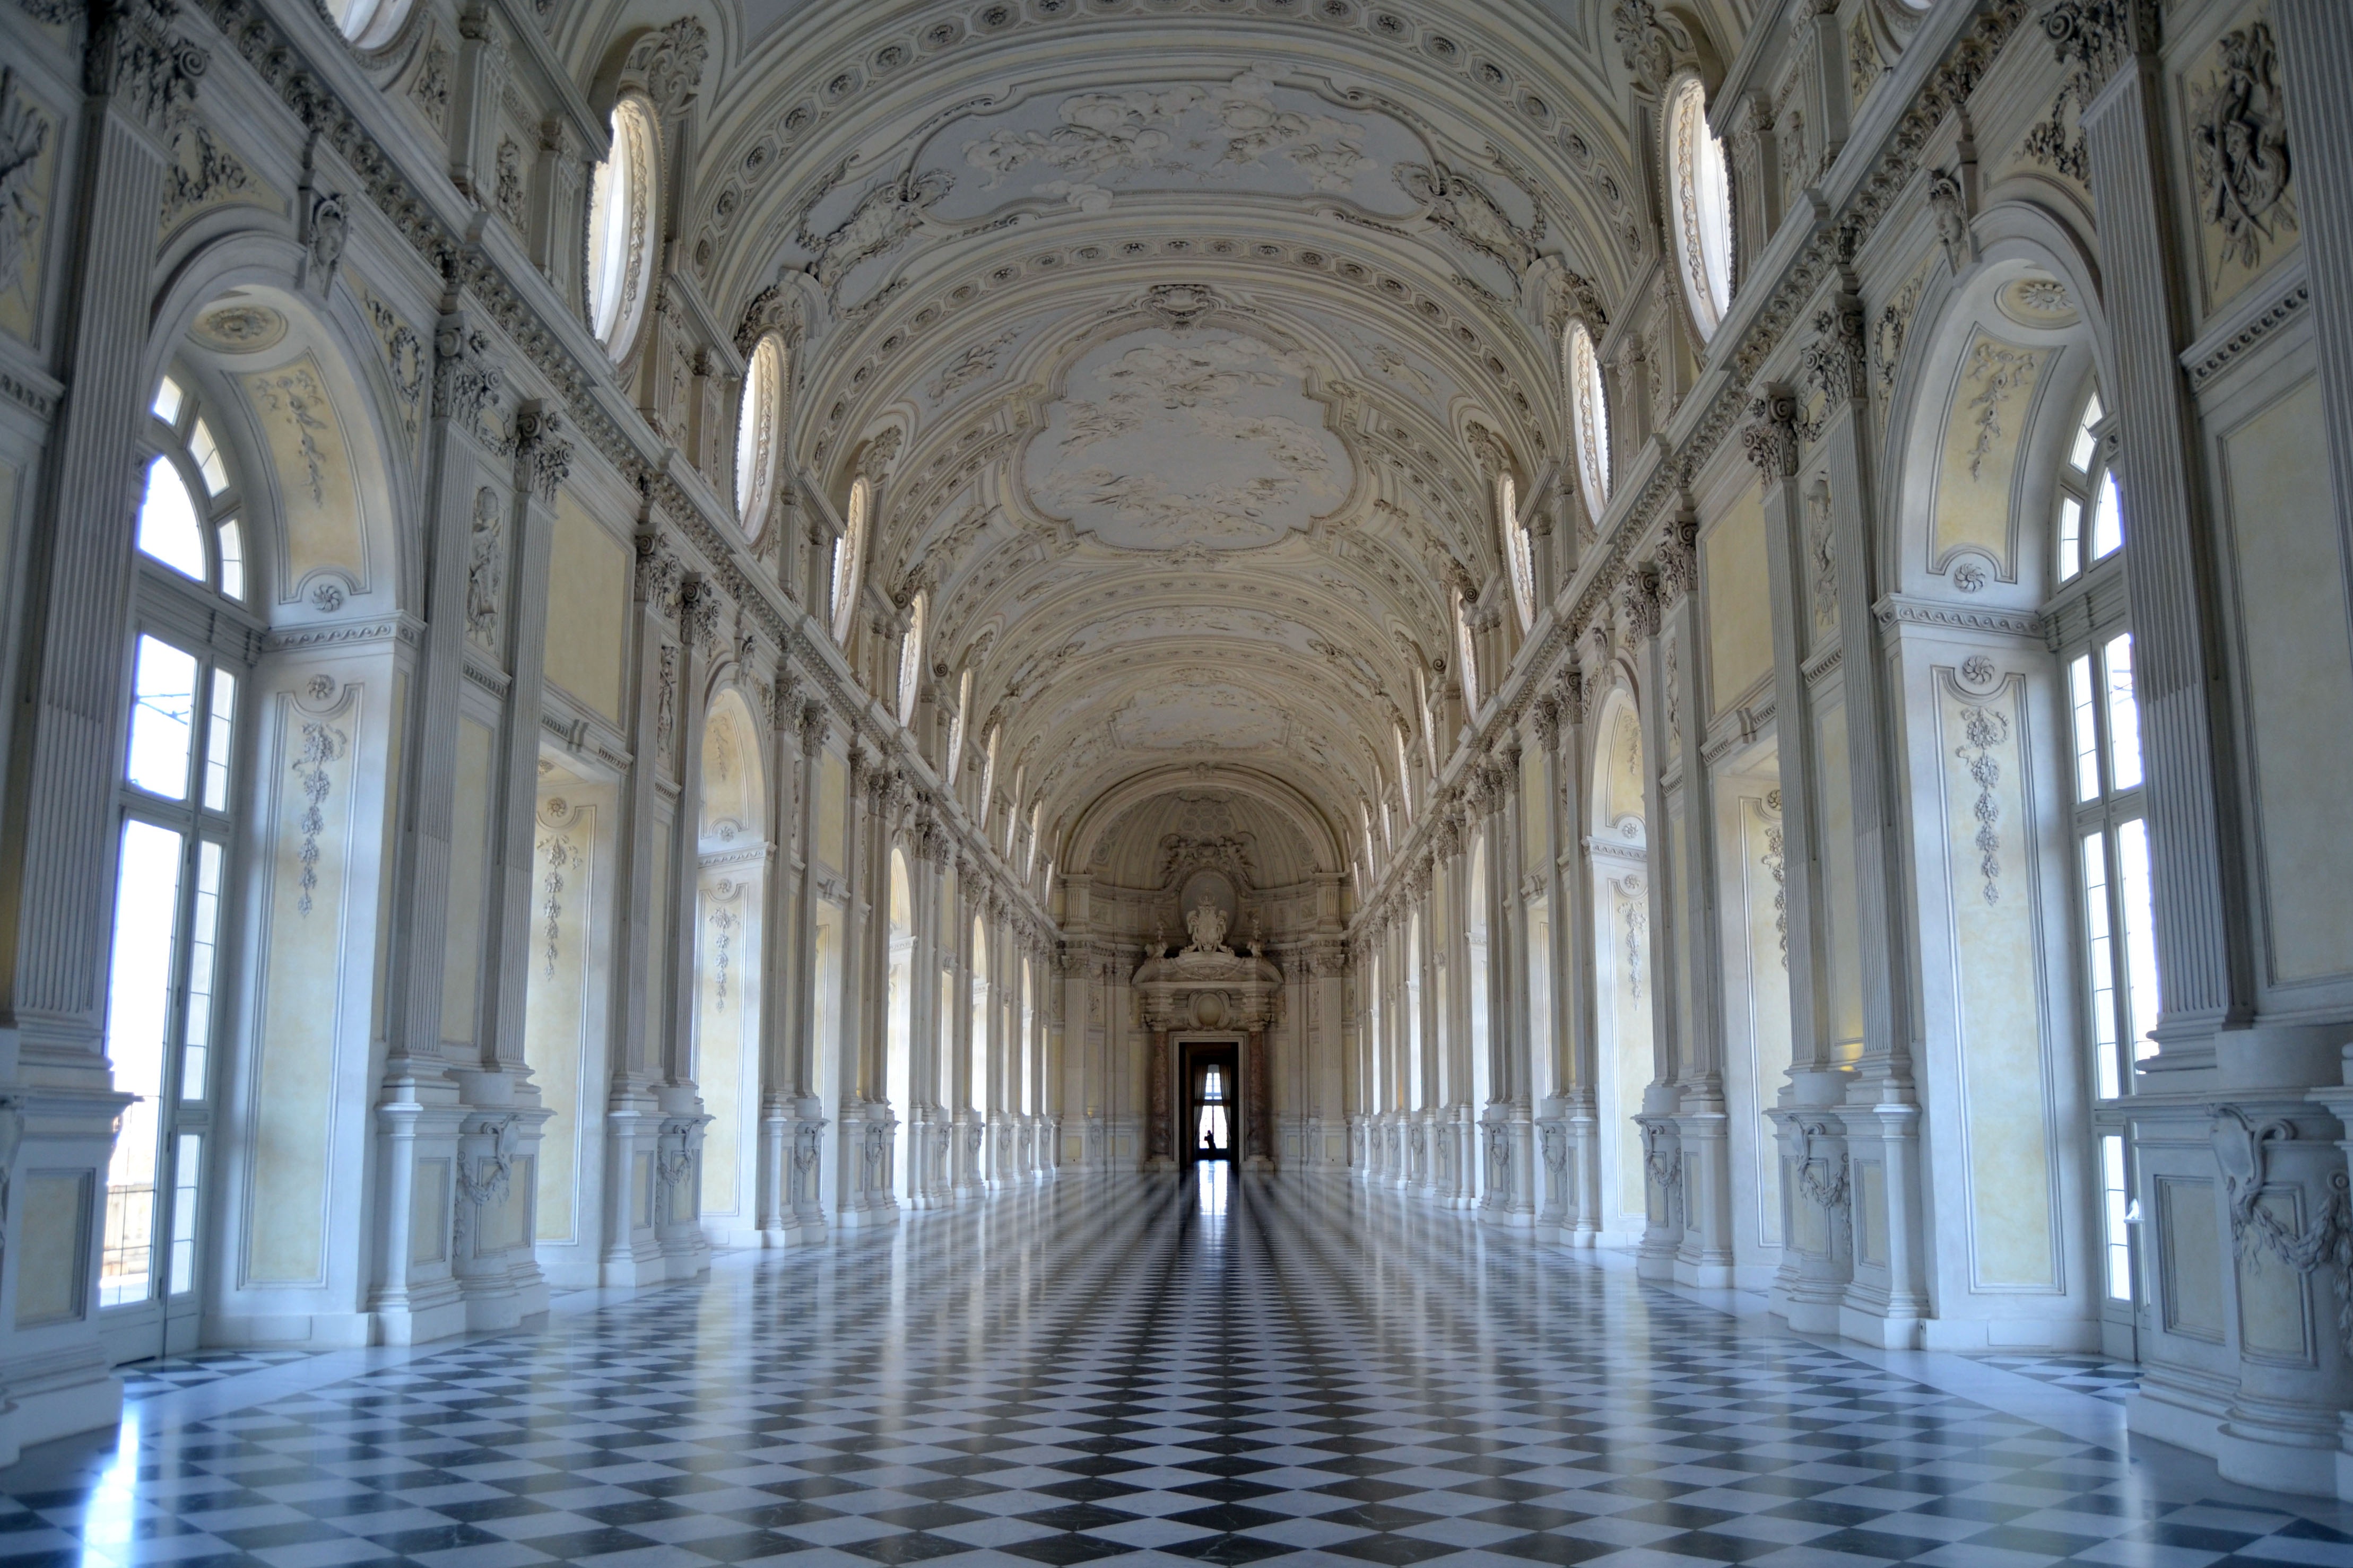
point(1214, 1369)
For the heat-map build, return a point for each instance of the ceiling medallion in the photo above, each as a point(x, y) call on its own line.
point(2038, 302)
point(239, 329)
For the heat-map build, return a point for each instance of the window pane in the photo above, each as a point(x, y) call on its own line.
point(168, 531)
point(220, 733)
point(232, 560)
point(2085, 441)
point(2124, 715)
point(2070, 538)
point(2100, 962)
point(138, 1007)
point(204, 938)
point(2141, 935)
point(162, 719)
point(168, 399)
point(2108, 519)
point(2114, 1202)
point(206, 452)
point(2087, 736)
point(187, 1164)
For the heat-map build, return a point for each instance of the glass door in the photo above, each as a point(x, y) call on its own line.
point(161, 992)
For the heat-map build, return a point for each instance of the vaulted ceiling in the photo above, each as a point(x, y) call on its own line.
point(1196, 330)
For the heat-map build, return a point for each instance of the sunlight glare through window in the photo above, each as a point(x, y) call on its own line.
point(168, 530)
point(162, 719)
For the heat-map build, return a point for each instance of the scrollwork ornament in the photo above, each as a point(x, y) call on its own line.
point(1830, 1190)
point(671, 61)
point(485, 1182)
point(1662, 1161)
point(2238, 145)
point(1650, 42)
point(23, 133)
point(2242, 1150)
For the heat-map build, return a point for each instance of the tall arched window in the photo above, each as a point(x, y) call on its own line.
point(1036, 820)
point(849, 555)
point(1701, 211)
point(955, 728)
point(1465, 651)
point(188, 514)
point(1590, 419)
point(2117, 934)
point(1518, 547)
point(911, 658)
point(759, 420)
point(621, 228)
point(176, 799)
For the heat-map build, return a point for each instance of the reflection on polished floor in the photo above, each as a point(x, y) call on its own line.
point(1216, 1368)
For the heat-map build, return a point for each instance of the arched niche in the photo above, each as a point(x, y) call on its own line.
point(324, 418)
point(1620, 861)
point(1991, 378)
point(731, 883)
point(733, 781)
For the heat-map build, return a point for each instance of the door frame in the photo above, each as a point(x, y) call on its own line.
point(1228, 1045)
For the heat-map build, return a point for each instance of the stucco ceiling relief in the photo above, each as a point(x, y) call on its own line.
point(1164, 438)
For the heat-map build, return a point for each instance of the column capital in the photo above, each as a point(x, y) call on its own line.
point(1835, 363)
point(134, 58)
point(1637, 600)
point(2095, 37)
point(1770, 437)
point(542, 460)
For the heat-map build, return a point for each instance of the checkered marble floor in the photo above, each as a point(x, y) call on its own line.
point(2092, 1374)
point(146, 1379)
point(1146, 1369)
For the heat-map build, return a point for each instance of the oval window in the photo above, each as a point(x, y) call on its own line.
point(849, 551)
point(369, 23)
point(1702, 229)
point(758, 421)
point(621, 229)
point(1518, 548)
point(1590, 416)
point(911, 659)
